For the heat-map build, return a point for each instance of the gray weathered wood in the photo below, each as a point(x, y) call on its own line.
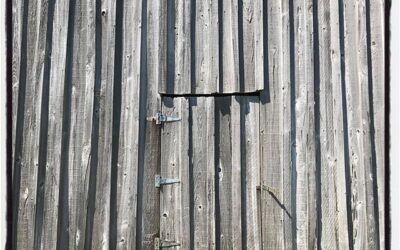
point(333, 186)
point(156, 77)
point(250, 113)
point(101, 217)
point(287, 130)
point(206, 49)
point(83, 70)
point(230, 47)
point(377, 17)
point(36, 41)
point(56, 94)
point(272, 137)
point(253, 60)
point(364, 232)
point(306, 207)
point(128, 147)
point(17, 19)
point(175, 199)
point(202, 132)
point(229, 172)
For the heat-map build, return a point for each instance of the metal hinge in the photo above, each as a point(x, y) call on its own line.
point(160, 118)
point(158, 244)
point(165, 181)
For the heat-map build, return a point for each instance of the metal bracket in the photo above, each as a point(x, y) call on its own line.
point(165, 181)
point(160, 118)
point(158, 244)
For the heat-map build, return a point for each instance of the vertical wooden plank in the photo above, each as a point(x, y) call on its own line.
point(203, 171)
point(333, 187)
point(27, 159)
point(229, 172)
point(174, 199)
point(306, 212)
point(272, 135)
point(156, 67)
point(81, 112)
point(252, 40)
point(377, 28)
point(182, 47)
point(129, 127)
point(17, 24)
point(360, 151)
point(101, 220)
point(250, 113)
point(368, 145)
point(177, 38)
point(56, 94)
point(287, 161)
point(230, 46)
point(206, 49)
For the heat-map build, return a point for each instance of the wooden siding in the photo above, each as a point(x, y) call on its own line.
point(281, 139)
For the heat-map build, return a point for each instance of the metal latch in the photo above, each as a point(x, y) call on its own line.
point(158, 244)
point(165, 181)
point(160, 118)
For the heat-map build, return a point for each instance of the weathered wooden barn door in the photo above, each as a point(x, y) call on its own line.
point(209, 173)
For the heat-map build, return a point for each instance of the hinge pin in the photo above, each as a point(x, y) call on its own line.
point(158, 244)
point(160, 118)
point(165, 181)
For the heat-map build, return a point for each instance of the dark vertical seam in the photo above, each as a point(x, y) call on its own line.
point(241, 52)
point(44, 124)
point(95, 131)
point(293, 153)
point(170, 46)
point(265, 93)
point(118, 61)
point(19, 140)
point(220, 45)
point(142, 125)
point(191, 177)
point(217, 159)
point(345, 126)
point(193, 46)
point(10, 104)
point(372, 123)
point(242, 102)
point(63, 206)
point(317, 112)
point(388, 4)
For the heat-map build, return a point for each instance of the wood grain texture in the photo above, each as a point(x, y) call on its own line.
point(81, 108)
point(253, 62)
point(28, 159)
point(103, 112)
point(271, 139)
point(251, 152)
point(229, 172)
point(365, 234)
point(175, 224)
point(333, 186)
point(377, 27)
point(156, 74)
point(128, 163)
point(56, 94)
point(206, 51)
point(17, 20)
point(306, 188)
point(295, 163)
point(202, 150)
point(230, 46)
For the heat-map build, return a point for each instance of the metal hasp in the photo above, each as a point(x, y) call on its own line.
point(160, 118)
point(165, 181)
point(158, 244)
